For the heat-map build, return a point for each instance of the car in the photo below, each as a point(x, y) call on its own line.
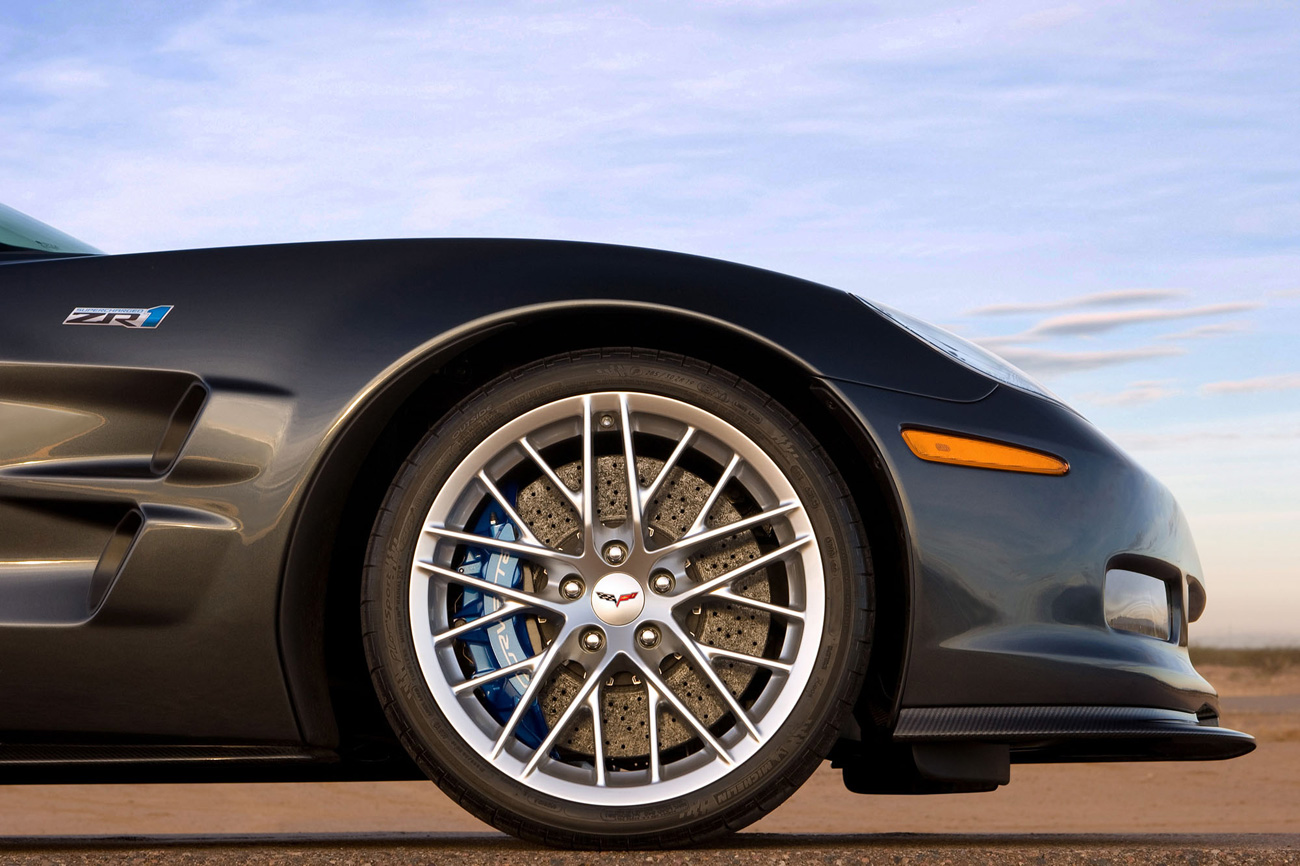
point(615, 545)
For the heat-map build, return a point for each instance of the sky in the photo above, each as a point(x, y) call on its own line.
point(1107, 194)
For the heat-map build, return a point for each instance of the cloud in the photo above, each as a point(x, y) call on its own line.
point(1162, 441)
point(1135, 394)
point(829, 140)
point(64, 78)
point(1201, 332)
point(1284, 382)
point(1089, 324)
point(1047, 363)
point(996, 343)
point(1118, 297)
point(1084, 324)
point(1286, 293)
point(1049, 18)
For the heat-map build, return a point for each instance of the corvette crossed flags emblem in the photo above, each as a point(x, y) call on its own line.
point(608, 596)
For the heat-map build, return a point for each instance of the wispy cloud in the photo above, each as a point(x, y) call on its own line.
point(1087, 324)
point(1135, 394)
point(1013, 346)
point(997, 343)
point(1166, 441)
point(66, 77)
point(1284, 382)
point(1047, 363)
point(844, 143)
point(1203, 332)
point(1118, 297)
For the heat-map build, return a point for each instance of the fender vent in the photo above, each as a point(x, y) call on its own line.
point(178, 429)
point(112, 559)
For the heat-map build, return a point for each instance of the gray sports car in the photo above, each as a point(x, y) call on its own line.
point(615, 545)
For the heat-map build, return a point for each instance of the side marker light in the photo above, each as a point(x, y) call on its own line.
point(962, 451)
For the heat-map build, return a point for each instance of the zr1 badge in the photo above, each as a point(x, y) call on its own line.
point(127, 317)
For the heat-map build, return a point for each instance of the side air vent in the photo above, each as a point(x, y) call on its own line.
point(58, 560)
point(82, 421)
point(178, 429)
point(112, 559)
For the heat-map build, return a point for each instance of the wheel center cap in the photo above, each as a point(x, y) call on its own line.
point(618, 599)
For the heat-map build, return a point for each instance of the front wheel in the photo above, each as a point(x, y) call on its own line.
point(617, 599)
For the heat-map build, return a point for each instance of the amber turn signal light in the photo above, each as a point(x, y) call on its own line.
point(961, 451)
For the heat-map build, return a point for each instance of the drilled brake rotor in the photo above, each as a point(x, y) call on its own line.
point(624, 702)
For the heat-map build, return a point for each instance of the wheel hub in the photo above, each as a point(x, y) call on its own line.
point(618, 599)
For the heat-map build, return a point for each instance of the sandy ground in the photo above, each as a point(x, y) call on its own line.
point(1259, 793)
point(1240, 682)
point(895, 850)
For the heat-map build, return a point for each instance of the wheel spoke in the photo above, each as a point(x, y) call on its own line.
point(736, 598)
point(652, 677)
point(598, 735)
point(523, 551)
point(522, 598)
point(652, 703)
point(713, 584)
point(559, 485)
point(714, 494)
point(542, 671)
point(702, 663)
point(687, 542)
point(633, 483)
point(473, 683)
point(588, 479)
point(682, 445)
point(579, 701)
point(509, 509)
point(505, 611)
point(770, 664)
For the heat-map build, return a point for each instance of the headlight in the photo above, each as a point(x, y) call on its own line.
point(964, 351)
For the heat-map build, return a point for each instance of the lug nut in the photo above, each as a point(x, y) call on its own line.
point(592, 640)
point(662, 582)
point(571, 588)
point(648, 637)
point(606, 421)
point(615, 552)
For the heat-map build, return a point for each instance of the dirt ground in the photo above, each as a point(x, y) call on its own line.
point(749, 849)
point(1259, 793)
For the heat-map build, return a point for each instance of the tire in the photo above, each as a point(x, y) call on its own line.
point(690, 740)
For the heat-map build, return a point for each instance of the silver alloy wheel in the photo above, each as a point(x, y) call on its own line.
point(595, 640)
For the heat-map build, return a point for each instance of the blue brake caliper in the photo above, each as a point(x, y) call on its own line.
point(502, 643)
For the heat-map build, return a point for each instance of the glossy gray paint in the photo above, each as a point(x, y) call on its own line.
point(214, 627)
point(1010, 568)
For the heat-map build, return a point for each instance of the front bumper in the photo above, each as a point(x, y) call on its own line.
point(1007, 576)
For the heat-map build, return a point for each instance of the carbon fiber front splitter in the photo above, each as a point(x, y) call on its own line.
point(1055, 734)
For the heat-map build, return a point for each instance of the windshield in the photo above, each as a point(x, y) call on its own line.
point(20, 233)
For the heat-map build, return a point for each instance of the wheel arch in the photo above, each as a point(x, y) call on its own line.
point(327, 677)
